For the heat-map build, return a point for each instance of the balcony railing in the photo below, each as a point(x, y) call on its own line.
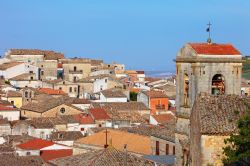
point(160, 107)
point(75, 71)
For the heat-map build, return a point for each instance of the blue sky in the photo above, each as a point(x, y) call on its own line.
point(143, 34)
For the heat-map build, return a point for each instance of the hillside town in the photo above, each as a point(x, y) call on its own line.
point(56, 110)
point(78, 111)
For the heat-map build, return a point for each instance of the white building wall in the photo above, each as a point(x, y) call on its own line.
point(141, 97)
point(100, 85)
point(40, 133)
point(22, 84)
point(22, 152)
point(82, 106)
point(152, 121)
point(10, 115)
point(5, 129)
point(18, 70)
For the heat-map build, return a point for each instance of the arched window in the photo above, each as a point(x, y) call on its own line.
point(186, 90)
point(74, 68)
point(26, 94)
point(218, 84)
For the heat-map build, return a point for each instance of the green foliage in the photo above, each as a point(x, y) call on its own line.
point(238, 147)
point(133, 96)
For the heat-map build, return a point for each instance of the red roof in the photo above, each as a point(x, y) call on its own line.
point(163, 118)
point(51, 91)
point(35, 144)
point(84, 119)
point(99, 114)
point(214, 49)
point(4, 108)
point(54, 154)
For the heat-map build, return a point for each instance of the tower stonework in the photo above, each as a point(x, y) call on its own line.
point(202, 68)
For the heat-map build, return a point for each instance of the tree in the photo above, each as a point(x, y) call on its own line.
point(133, 96)
point(238, 148)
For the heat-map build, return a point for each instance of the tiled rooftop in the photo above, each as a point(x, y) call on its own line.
point(214, 49)
point(35, 144)
point(7, 65)
point(155, 94)
point(113, 93)
point(106, 157)
point(66, 135)
point(51, 91)
point(218, 115)
point(48, 55)
point(136, 143)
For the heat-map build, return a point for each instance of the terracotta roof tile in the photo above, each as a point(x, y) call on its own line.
point(51, 91)
point(155, 94)
point(84, 119)
point(214, 49)
point(5, 108)
point(99, 114)
point(135, 143)
point(106, 157)
point(13, 94)
point(66, 135)
point(48, 55)
point(7, 65)
point(164, 118)
point(47, 155)
point(35, 144)
point(12, 159)
point(218, 115)
point(113, 93)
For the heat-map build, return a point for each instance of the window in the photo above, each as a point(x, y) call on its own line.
point(27, 153)
point(74, 79)
point(12, 102)
point(31, 72)
point(41, 65)
point(186, 90)
point(106, 80)
point(75, 89)
point(41, 134)
point(62, 110)
point(100, 125)
point(157, 148)
point(60, 88)
point(167, 149)
point(82, 129)
point(31, 78)
point(74, 68)
point(173, 150)
point(42, 72)
point(26, 94)
point(70, 89)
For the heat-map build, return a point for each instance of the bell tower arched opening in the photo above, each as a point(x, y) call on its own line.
point(218, 85)
point(186, 90)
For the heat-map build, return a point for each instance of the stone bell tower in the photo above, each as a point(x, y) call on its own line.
point(202, 68)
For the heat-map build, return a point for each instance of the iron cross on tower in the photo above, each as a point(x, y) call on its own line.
point(209, 40)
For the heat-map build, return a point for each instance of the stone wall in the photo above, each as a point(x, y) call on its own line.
point(211, 149)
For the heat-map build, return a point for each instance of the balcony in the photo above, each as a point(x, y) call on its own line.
point(75, 71)
point(160, 107)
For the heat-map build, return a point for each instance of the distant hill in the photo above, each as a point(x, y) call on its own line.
point(246, 68)
point(159, 74)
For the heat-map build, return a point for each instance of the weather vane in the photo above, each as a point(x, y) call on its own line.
point(209, 40)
